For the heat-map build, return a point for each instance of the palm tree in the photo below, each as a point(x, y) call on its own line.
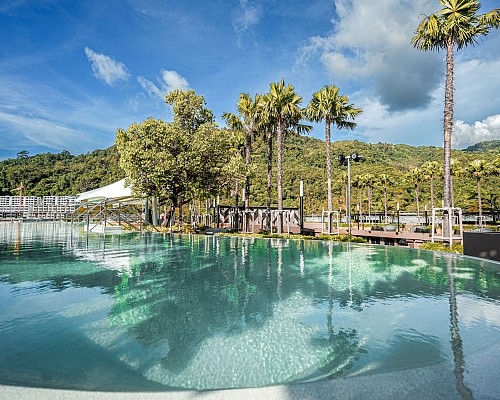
point(455, 170)
point(385, 180)
point(430, 170)
point(359, 182)
point(479, 169)
point(415, 177)
point(328, 105)
point(281, 105)
point(369, 181)
point(249, 112)
point(456, 25)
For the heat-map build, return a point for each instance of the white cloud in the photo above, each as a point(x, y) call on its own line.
point(107, 69)
point(168, 81)
point(248, 15)
point(173, 81)
point(371, 42)
point(465, 135)
point(40, 131)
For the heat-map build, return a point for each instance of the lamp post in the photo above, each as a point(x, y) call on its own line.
point(301, 207)
point(346, 160)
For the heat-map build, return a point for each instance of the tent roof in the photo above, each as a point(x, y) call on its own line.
point(114, 192)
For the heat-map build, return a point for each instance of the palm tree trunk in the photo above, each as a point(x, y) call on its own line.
point(369, 194)
point(328, 173)
point(432, 191)
point(448, 120)
point(248, 159)
point(385, 204)
point(479, 205)
point(361, 207)
point(416, 198)
point(279, 143)
point(452, 193)
point(448, 126)
point(269, 176)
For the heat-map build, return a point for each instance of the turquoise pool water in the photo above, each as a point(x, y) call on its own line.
point(166, 312)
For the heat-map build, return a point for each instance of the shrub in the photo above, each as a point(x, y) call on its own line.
point(456, 248)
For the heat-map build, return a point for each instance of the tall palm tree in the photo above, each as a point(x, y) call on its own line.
point(479, 169)
point(431, 170)
point(385, 180)
point(456, 25)
point(282, 105)
point(415, 177)
point(249, 112)
point(327, 104)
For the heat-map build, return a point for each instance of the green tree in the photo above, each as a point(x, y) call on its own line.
point(250, 112)
point(415, 177)
point(370, 182)
point(385, 180)
point(328, 105)
point(281, 105)
point(479, 169)
point(189, 109)
point(455, 171)
point(178, 161)
point(456, 25)
point(430, 170)
point(358, 181)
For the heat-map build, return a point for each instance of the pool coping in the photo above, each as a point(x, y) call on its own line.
point(429, 381)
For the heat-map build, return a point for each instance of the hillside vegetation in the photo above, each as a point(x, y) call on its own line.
point(304, 159)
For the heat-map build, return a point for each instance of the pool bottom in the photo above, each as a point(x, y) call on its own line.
point(435, 381)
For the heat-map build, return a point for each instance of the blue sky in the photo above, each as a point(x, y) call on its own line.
point(72, 72)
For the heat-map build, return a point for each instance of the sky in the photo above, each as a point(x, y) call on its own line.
point(73, 72)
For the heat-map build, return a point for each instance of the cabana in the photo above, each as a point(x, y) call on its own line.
point(108, 208)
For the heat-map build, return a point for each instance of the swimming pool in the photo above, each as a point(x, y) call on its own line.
point(159, 312)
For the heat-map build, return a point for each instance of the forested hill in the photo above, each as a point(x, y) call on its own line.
point(484, 146)
point(59, 174)
point(303, 159)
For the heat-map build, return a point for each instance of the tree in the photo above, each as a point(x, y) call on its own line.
point(181, 160)
point(281, 106)
point(457, 24)
point(385, 180)
point(249, 112)
point(478, 169)
point(415, 177)
point(331, 107)
point(455, 171)
point(189, 109)
point(370, 182)
point(23, 154)
point(359, 182)
point(430, 170)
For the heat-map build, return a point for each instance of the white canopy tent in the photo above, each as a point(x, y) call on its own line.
point(115, 192)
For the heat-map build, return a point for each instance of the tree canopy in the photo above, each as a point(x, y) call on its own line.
point(182, 160)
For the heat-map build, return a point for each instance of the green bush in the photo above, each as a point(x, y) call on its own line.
point(455, 248)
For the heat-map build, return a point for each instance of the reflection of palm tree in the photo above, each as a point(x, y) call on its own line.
point(456, 340)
